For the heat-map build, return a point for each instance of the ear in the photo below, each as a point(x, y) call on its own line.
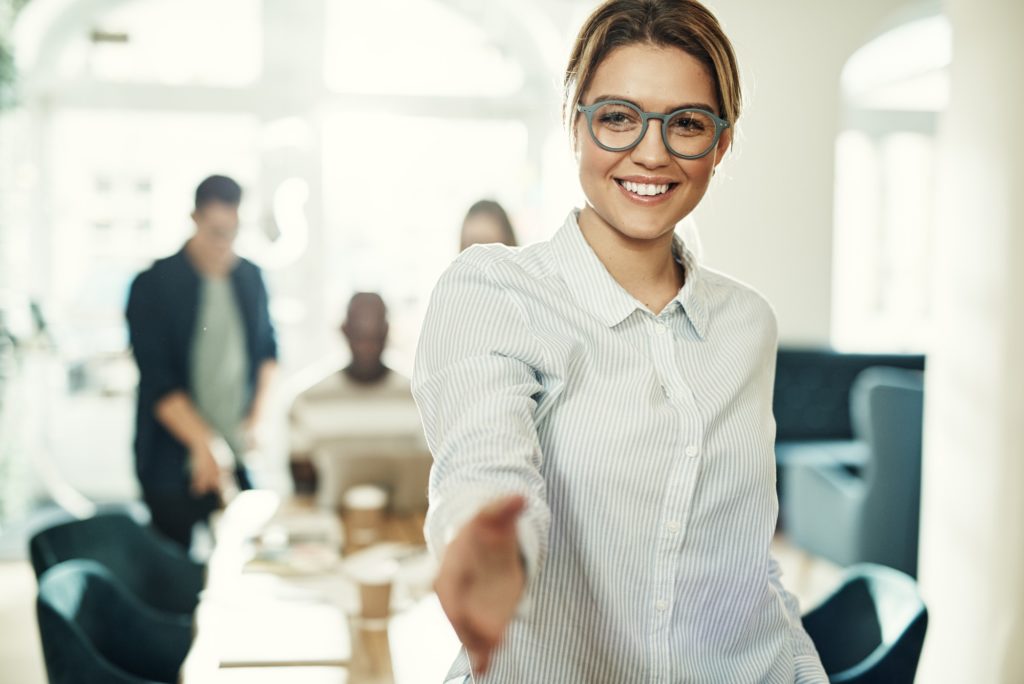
point(724, 143)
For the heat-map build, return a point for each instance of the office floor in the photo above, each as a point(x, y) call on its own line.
point(21, 657)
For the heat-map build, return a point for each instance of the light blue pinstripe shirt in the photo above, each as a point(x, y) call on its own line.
point(644, 445)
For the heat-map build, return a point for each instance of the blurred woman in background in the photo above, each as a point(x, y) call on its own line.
point(486, 222)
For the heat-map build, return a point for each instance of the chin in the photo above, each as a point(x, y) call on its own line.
point(642, 225)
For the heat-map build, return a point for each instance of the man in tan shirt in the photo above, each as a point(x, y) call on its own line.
point(359, 424)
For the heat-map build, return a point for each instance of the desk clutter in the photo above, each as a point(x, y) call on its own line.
point(291, 592)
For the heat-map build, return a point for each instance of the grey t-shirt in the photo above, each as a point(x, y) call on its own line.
point(220, 362)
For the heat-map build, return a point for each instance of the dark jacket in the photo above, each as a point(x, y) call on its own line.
point(162, 308)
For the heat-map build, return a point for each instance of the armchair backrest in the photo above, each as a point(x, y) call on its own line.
point(886, 410)
point(92, 629)
point(153, 570)
point(812, 390)
point(871, 628)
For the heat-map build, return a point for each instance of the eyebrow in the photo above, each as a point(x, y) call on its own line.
point(685, 105)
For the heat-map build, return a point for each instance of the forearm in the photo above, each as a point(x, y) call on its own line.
point(178, 415)
point(264, 380)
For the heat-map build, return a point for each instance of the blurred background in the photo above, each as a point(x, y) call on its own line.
point(869, 195)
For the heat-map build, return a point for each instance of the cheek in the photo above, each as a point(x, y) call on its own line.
point(697, 170)
point(595, 162)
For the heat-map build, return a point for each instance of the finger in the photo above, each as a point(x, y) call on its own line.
point(503, 512)
point(200, 482)
point(211, 482)
point(480, 662)
point(478, 647)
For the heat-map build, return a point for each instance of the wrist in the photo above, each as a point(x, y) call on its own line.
point(200, 441)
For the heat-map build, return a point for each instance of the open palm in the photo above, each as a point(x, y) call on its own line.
point(482, 578)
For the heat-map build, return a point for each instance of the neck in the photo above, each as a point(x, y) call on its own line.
point(366, 374)
point(211, 267)
point(646, 269)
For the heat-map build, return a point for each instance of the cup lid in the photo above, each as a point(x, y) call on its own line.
point(365, 496)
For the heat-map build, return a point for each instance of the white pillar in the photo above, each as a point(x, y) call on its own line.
point(972, 538)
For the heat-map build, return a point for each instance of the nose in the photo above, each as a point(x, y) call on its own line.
point(651, 151)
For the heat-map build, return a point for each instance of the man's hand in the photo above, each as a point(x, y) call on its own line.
point(205, 469)
point(482, 578)
point(254, 431)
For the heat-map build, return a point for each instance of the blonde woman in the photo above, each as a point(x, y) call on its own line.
point(599, 406)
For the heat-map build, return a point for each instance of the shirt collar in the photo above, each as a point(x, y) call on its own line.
point(598, 292)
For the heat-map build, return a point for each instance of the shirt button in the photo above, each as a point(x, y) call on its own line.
point(661, 329)
point(661, 605)
point(692, 451)
point(673, 526)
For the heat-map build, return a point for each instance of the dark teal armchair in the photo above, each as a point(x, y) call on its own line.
point(871, 629)
point(152, 569)
point(94, 631)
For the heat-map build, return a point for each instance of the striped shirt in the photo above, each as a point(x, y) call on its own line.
point(644, 446)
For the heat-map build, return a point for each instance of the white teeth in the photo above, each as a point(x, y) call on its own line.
point(645, 188)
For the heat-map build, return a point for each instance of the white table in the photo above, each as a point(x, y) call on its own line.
point(289, 618)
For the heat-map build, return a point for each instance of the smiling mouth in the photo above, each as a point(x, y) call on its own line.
point(646, 189)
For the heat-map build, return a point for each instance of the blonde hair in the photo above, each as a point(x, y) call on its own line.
point(685, 24)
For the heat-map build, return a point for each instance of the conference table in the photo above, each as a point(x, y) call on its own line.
point(282, 602)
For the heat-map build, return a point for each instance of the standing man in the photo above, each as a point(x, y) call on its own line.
point(201, 334)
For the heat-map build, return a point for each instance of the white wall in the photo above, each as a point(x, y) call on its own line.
point(769, 220)
point(972, 537)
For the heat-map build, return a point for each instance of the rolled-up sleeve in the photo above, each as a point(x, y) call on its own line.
point(267, 345)
point(476, 384)
point(150, 339)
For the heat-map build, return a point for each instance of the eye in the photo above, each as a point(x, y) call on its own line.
point(616, 117)
point(691, 124)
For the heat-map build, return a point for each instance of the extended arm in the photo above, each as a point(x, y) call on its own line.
point(476, 386)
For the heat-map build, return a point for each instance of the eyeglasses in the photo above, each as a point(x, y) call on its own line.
point(617, 126)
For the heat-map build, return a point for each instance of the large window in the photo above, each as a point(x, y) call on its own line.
point(170, 42)
point(361, 132)
point(894, 89)
point(413, 47)
point(399, 188)
point(122, 186)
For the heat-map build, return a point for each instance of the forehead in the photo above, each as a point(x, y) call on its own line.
point(655, 77)
point(219, 212)
point(481, 221)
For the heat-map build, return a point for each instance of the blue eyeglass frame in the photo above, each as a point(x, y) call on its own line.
point(588, 110)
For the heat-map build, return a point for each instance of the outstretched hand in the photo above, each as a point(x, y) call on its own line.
point(482, 578)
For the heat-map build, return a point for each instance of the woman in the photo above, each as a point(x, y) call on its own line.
point(599, 405)
point(486, 222)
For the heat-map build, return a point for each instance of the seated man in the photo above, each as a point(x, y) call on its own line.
point(359, 424)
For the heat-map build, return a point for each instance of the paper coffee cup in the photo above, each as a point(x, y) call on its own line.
point(375, 598)
point(362, 512)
